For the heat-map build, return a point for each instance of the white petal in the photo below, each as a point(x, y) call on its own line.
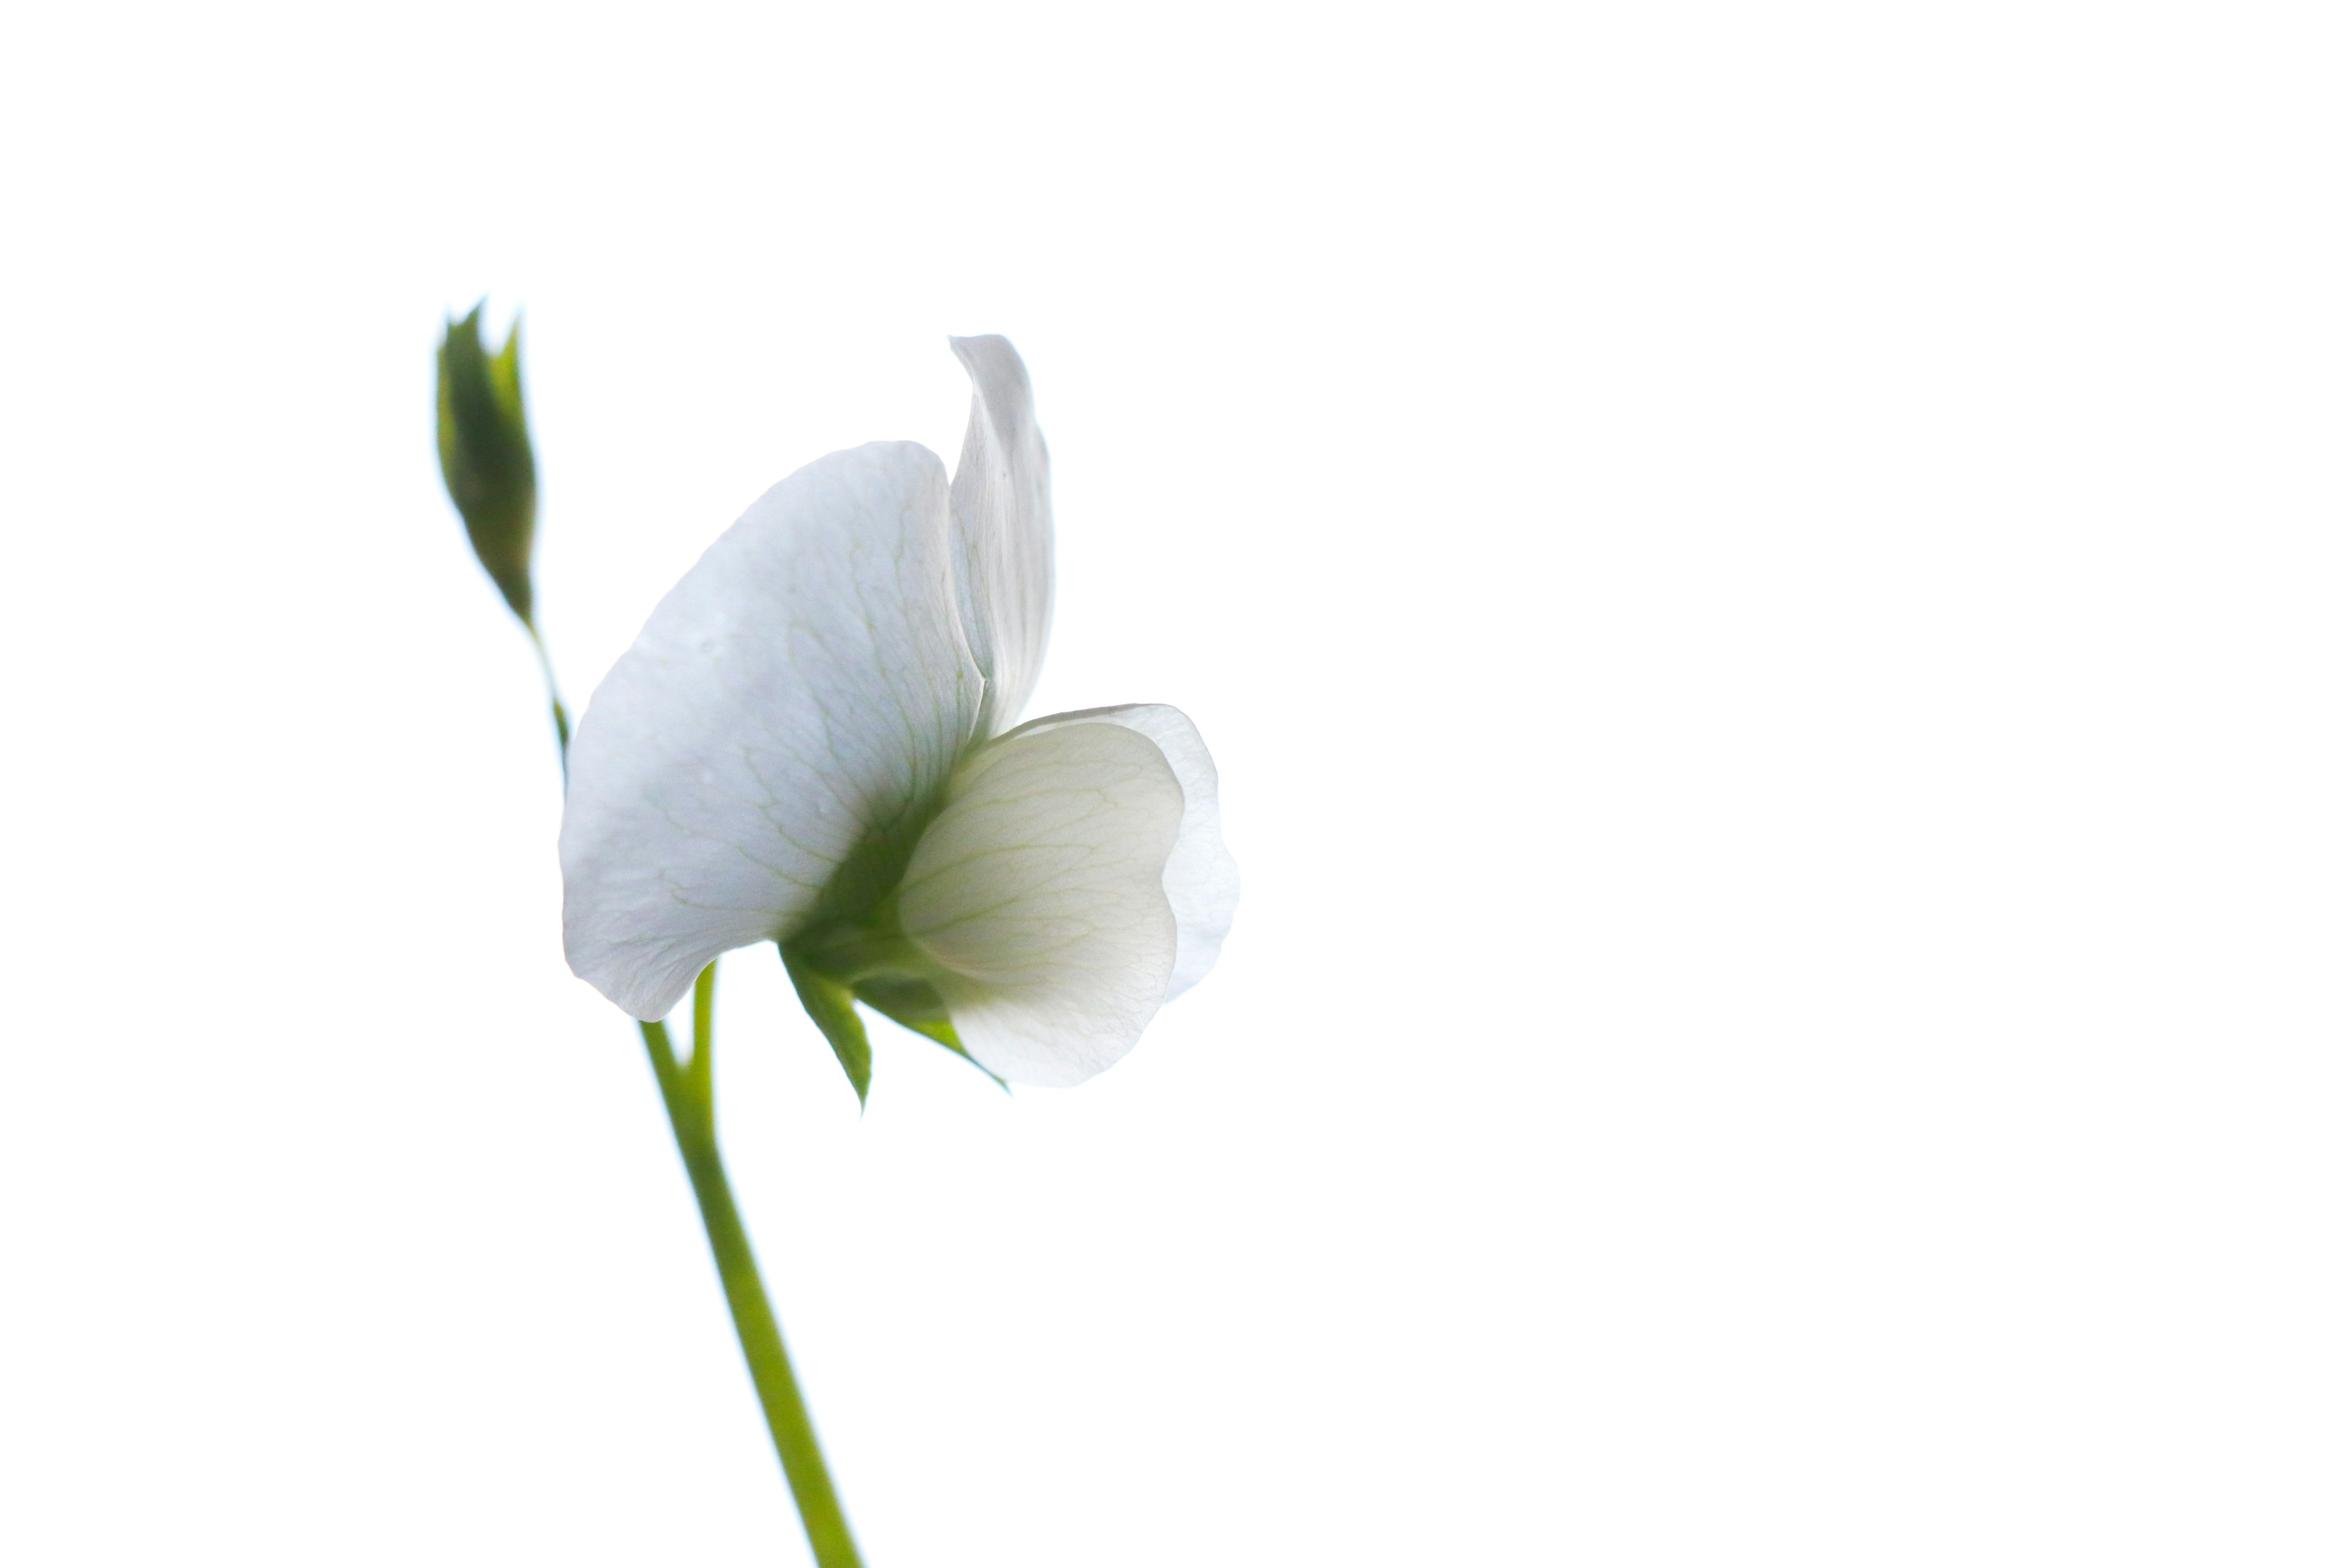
point(802, 688)
point(1004, 531)
point(1038, 890)
point(1201, 880)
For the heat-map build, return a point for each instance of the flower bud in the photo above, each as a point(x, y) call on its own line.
point(486, 457)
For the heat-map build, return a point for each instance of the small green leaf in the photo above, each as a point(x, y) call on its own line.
point(486, 454)
point(829, 1006)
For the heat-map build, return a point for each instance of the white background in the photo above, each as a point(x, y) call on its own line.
point(1769, 586)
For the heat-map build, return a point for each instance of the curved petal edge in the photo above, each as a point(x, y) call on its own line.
point(1203, 883)
point(805, 686)
point(1038, 893)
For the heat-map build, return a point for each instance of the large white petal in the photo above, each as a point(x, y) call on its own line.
point(1004, 531)
point(1038, 891)
point(802, 690)
point(1202, 881)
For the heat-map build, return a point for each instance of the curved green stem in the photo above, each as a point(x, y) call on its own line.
point(554, 703)
point(686, 1094)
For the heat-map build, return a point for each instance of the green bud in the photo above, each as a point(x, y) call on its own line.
point(486, 457)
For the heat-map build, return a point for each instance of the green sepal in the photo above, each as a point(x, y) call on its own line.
point(913, 1004)
point(831, 1008)
point(872, 961)
point(486, 454)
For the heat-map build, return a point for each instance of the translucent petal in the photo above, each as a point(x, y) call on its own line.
point(1004, 531)
point(799, 697)
point(1202, 881)
point(1038, 892)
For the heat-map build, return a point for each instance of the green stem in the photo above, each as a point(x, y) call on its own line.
point(686, 1094)
point(554, 703)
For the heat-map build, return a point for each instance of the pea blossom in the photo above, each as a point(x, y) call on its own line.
point(815, 742)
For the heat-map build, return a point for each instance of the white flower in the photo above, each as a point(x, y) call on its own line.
point(812, 742)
